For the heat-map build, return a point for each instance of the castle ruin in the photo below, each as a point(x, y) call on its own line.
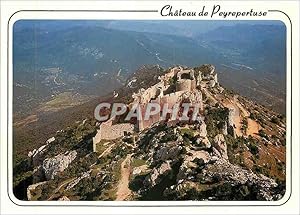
point(177, 85)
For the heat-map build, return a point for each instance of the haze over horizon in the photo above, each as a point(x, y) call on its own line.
point(96, 56)
point(180, 28)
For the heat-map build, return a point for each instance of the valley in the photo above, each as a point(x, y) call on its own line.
point(63, 70)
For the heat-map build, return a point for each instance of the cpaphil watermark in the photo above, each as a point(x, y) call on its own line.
point(137, 111)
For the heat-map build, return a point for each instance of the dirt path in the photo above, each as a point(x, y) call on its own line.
point(236, 116)
point(123, 191)
point(239, 112)
point(253, 126)
point(244, 112)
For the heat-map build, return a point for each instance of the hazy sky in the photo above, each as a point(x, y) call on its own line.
point(176, 27)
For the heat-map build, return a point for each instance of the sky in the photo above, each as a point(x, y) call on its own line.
point(188, 28)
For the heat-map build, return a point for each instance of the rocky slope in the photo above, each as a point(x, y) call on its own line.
point(236, 151)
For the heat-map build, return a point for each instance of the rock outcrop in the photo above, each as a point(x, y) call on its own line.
point(191, 160)
point(230, 127)
point(31, 188)
point(157, 173)
point(202, 129)
point(226, 176)
point(220, 145)
point(224, 129)
point(63, 198)
point(37, 155)
point(169, 159)
point(52, 166)
point(236, 175)
point(203, 143)
point(77, 180)
point(169, 151)
point(195, 164)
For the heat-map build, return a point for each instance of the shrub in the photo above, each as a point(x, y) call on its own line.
point(262, 133)
point(253, 148)
point(252, 116)
point(275, 120)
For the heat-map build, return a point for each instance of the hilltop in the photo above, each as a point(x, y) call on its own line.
point(234, 151)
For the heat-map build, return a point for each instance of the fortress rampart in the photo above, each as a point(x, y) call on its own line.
point(108, 131)
point(185, 88)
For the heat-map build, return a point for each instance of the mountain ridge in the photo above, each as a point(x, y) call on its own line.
point(179, 160)
point(93, 65)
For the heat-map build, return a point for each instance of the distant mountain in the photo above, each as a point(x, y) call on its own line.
point(253, 60)
point(261, 46)
point(92, 58)
point(89, 60)
point(187, 28)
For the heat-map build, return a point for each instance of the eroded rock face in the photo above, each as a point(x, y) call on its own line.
point(167, 152)
point(231, 117)
point(194, 97)
point(230, 122)
point(63, 198)
point(31, 188)
point(52, 166)
point(157, 173)
point(238, 176)
point(240, 182)
point(224, 129)
point(202, 129)
point(191, 160)
point(50, 140)
point(77, 180)
point(203, 143)
point(37, 155)
point(220, 145)
point(212, 83)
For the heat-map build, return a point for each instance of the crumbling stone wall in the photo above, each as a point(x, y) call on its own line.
point(143, 124)
point(108, 131)
point(184, 85)
point(185, 88)
point(171, 99)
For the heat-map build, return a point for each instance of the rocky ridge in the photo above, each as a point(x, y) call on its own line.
point(217, 157)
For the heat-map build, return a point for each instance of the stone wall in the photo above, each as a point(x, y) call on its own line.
point(170, 74)
point(171, 98)
point(184, 85)
point(144, 96)
point(142, 124)
point(115, 131)
point(108, 131)
point(188, 71)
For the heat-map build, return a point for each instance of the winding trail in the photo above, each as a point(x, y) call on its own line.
point(236, 116)
point(239, 112)
point(253, 126)
point(123, 191)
